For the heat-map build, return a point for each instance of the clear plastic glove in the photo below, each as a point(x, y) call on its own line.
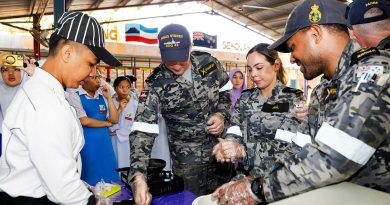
point(215, 124)
point(301, 113)
point(236, 193)
point(140, 190)
point(30, 65)
point(227, 150)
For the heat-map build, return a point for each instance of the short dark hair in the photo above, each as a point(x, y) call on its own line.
point(119, 79)
point(340, 28)
point(54, 41)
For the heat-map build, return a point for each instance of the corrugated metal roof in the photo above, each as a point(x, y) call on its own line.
point(269, 20)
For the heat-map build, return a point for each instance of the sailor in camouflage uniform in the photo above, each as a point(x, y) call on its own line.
point(257, 116)
point(190, 103)
point(352, 143)
point(369, 22)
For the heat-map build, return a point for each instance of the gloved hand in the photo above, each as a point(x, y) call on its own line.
point(215, 124)
point(236, 193)
point(141, 191)
point(227, 150)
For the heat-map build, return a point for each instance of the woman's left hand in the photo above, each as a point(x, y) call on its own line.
point(30, 68)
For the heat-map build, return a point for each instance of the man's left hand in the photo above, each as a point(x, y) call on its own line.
point(215, 124)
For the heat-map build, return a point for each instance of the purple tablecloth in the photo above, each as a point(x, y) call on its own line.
point(180, 198)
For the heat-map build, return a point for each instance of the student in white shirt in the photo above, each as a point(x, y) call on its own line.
point(40, 162)
point(126, 103)
point(11, 79)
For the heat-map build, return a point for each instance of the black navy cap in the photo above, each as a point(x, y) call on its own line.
point(174, 42)
point(308, 13)
point(356, 10)
point(84, 29)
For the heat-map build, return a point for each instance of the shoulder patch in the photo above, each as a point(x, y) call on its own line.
point(292, 90)
point(153, 74)
point(206, 69)
point(199, 53)
point(363, 53)
point(143, 96)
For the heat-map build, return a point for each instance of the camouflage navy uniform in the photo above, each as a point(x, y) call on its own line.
point(352, 142)
point(186, 107)
point(254, 122)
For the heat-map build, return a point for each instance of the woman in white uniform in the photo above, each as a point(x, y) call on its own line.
point(126, 102)
point(11, 80)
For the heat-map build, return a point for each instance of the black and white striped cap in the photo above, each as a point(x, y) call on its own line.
point(84, 29)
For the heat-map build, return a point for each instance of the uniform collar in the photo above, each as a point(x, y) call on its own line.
point(275, 91)
point(345, 59)
point(50, 81)
point(83, 92)
point(384, 43)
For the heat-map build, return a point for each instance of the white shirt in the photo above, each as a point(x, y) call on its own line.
point(42, 139)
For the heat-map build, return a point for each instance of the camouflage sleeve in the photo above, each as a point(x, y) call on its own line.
point(304, 127)
point(225, 86)
point(347, 139)
point(145, 130)
point(235, 131)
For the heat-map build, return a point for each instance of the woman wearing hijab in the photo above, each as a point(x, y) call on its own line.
point(258, 113)
point(11, 80)
point(237, 77)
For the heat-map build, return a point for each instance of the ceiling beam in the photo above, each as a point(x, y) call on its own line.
point(68, 4)
point(238, 3)
point(275, 18)
point(31, 7)
point(242, 14)
point(271, 6)
point(96, 4)
point(123, 3)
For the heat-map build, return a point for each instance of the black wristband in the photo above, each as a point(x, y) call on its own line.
point(257, 188)
point(91, 200)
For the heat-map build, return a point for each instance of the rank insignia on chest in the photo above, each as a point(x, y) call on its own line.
point(143, 96)
point(277, 107)
point(208, 68)
point(330, 93)
point(102, 109)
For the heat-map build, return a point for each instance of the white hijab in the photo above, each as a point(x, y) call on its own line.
point(8, 93)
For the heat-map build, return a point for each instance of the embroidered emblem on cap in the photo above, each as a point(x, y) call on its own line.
point(315, 14)
point(371, 3)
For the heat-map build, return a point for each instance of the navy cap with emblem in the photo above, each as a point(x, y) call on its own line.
point(174, 42)
point(84, 29)
point(357, 9)
point(308, 13)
